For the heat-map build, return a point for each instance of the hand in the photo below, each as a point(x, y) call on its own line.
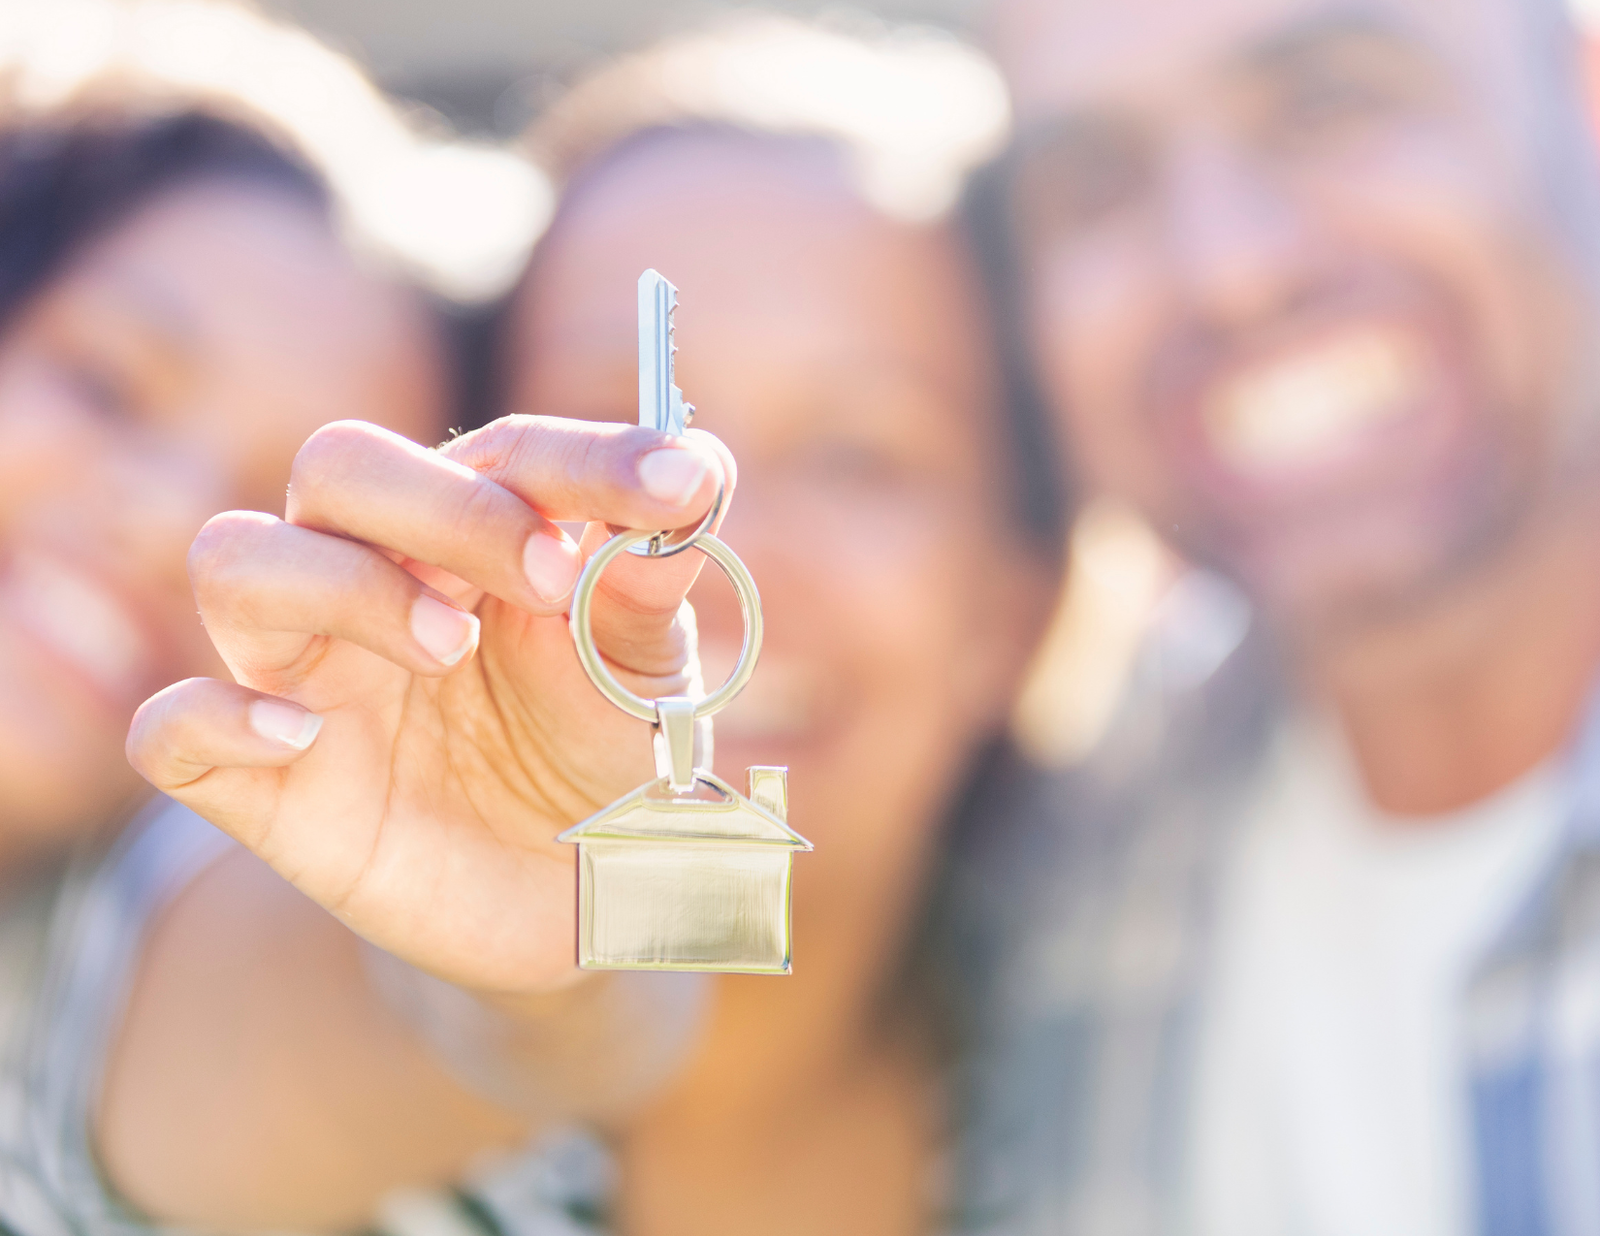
point(410, 726)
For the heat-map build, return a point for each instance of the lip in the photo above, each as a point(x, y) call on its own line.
point(88, 631)
point(781, 703)
point(1403, 406)
point(784, 716)
point(1284, 414)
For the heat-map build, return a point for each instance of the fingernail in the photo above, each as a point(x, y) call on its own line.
point(672, 475)
point(446, 632)
point(551, 564)
point(289, 724)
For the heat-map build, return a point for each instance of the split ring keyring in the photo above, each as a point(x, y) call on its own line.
point(583, 629)
point(660, 547)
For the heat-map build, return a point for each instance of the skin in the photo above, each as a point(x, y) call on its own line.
point(1214, 192)
point(168, 372)
point(509, 745)
point(842, 369)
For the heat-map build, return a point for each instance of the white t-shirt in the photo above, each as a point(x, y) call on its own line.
point(1330, 1096)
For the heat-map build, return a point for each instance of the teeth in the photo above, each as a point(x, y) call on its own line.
point(79, 619)
point(780, 702)
point(1297, 409)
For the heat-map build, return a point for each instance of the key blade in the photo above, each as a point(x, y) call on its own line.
point(661, 403)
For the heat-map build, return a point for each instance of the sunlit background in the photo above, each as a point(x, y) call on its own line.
point(487, 65)
point(461, 207)
point(482, 69)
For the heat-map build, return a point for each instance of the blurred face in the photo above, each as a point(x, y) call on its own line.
point(168, 372)
point(1295, 284)
point(837, 354)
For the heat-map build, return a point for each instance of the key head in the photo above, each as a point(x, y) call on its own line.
point(661, 403)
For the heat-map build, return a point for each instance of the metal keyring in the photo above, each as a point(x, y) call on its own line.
point(660, 547)
point(583, 633)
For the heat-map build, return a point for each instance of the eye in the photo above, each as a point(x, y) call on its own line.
point(1340, 93)
point(95, 360)
point(1079, 177)
point(842, 463)
point(1334, 95)
point(97, 388)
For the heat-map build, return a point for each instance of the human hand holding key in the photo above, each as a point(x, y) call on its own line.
point(410, 727)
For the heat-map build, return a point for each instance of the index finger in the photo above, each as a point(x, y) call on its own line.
point(480, 506)
point(598, 470)
point(595, 472)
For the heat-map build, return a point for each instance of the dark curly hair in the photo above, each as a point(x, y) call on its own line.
point(66, 180)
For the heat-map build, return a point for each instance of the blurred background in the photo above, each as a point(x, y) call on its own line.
point(892, 760)
point(486, 69)
point(464, 211)
point(482, 70)
point(489, 65)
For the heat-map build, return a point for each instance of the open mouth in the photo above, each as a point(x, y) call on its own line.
point(1317, 403)
point(781, 702)
point(77, 619)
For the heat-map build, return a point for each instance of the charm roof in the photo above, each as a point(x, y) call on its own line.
point(713, 811)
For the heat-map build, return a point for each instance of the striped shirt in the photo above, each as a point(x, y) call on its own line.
point(69, 949)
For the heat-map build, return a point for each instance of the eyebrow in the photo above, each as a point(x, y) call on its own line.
point(1083, 128)
point(1350, 26)
point(158, 314)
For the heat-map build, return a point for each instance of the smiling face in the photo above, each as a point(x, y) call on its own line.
point(170, 371)
point(839, 355)
point(1295, 282)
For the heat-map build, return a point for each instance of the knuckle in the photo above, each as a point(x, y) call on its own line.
point(224, 541)
point(559, 460)
point(585, 459)
point(600, 461)
point(373, 586)
point(662, 648)
point(489, 450)
point(531, 447)
point(478, 514)
point(326, 456)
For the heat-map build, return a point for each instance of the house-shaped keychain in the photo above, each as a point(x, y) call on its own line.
point(684, 873)
point(690, 878)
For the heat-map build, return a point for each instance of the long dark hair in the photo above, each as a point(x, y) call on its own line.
point(1045, 497)
point(66, 180)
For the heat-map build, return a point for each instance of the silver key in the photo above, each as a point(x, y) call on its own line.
point(661, 403)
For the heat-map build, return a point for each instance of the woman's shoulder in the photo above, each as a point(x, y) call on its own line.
point(68, 945)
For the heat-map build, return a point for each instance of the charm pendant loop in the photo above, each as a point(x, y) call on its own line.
point(582, 623)
point(675, 736)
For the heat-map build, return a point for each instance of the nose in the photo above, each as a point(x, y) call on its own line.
point(716, 607)
point(1238, 243)
point(43, 456)
point(755, 530)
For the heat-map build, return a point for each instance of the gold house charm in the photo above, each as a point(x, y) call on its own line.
point(696, 878)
